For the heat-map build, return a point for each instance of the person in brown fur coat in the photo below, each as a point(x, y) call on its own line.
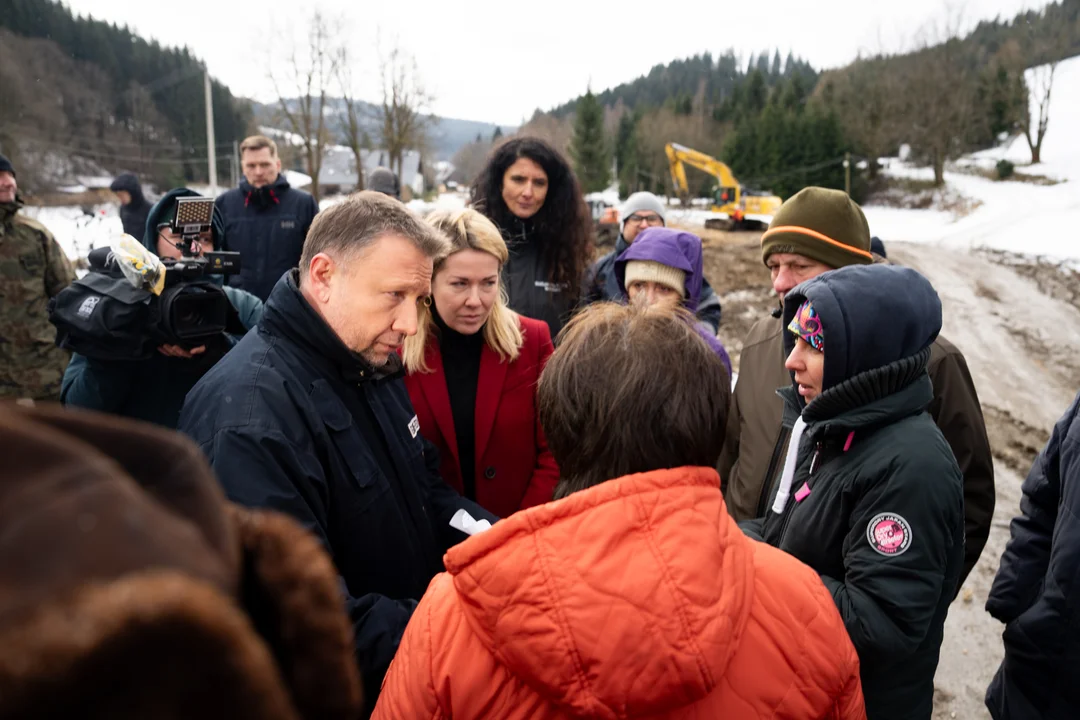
point(130, 587)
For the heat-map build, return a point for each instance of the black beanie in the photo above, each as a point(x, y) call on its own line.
point(5, 166)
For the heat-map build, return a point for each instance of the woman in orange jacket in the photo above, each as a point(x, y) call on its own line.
point(634, 594)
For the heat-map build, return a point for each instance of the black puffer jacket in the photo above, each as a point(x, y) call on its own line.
point(1037, 588)
point(526, 278)
point(875, 504)
point(133, 215)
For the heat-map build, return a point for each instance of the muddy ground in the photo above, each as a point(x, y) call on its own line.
point(1017, 321)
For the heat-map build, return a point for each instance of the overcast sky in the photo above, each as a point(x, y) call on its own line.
point(499, 61)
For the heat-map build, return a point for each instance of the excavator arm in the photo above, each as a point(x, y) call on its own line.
point(678, 173)
point(730, 191)
point(743, 209)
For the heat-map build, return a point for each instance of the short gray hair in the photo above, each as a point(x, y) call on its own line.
point(353, 225)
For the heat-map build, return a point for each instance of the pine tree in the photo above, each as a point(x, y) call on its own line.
point(626, 153)
point(496, 135)
point(588, 148)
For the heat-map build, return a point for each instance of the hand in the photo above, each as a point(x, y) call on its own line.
point(178, 352)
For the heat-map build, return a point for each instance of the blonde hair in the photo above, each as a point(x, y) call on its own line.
point(469, 230)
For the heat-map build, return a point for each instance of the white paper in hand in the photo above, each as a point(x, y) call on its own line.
point(467, 524)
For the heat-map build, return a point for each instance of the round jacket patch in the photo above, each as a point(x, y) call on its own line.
point(889, 534)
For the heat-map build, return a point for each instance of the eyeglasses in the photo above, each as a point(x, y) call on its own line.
point(645, 219)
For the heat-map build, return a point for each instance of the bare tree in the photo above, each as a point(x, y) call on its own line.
point(554, 130)
point(308, 72)
point(351, 125)
point(469, 160)
point(940, 89)
point(406, 107)
point(866, 98)
point(1034, 124)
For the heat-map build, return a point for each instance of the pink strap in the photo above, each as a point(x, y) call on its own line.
point(802, 493)
point(850, 437)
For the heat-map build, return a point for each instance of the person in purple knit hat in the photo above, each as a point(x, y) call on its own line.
point(664, 266)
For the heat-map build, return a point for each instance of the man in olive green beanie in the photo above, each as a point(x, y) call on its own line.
point(814, 231)
point(824, 225)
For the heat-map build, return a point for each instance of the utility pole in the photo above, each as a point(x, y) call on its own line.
point(235, 163)
point(847, 173)
point(211, 151)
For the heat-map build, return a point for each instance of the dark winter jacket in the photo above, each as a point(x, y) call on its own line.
point(526, 277)
point(293, 420)
point(676, 249)
point(133, 215)
point(1037, 588)
point(153, 389)
point(267, 226)
point(756, 437)
point(876, 501)
point(602, 284)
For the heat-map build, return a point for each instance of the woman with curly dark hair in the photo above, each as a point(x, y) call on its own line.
point(529, 191)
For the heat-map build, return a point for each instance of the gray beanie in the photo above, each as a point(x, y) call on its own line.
point(642, 201)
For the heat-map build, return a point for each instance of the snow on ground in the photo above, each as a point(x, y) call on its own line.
point(78, 231)
point(1016, 216)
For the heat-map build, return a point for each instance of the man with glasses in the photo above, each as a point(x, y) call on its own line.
point(642, 210)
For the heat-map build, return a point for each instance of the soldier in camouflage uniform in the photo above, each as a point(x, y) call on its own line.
point(33, 268)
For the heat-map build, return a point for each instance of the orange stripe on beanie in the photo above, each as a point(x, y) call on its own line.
point(821, 224)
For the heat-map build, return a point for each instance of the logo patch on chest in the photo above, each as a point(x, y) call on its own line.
point(414, 426)
point(288, 224)
point(889, 534)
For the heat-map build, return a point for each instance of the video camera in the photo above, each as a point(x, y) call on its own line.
point(192, 308)
point(123, 309)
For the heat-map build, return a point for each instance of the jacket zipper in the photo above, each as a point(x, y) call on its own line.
point(770, 474)
point(792, 502)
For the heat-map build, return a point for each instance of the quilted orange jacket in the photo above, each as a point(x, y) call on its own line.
point(639, 597)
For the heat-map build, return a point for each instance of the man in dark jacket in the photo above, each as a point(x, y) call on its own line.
point(833, 233)
point(870, 495)
point(153, 390)
point(134, 208)
point(1037, 588)
point(310, 416)
point(640, 211)
point(266, 221)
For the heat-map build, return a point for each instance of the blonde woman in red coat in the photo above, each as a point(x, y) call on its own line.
point(472, 369)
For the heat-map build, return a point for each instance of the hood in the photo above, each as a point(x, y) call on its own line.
point(129, 183)
point(162, 212)
point(871, 316)
point(624, 600)
point(667, 246)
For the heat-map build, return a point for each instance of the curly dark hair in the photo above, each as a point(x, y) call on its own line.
point(562, 226)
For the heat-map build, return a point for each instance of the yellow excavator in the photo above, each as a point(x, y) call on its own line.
point(745, 209)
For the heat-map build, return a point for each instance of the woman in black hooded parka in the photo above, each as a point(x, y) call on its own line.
point(1037, 588)
point(870, 494)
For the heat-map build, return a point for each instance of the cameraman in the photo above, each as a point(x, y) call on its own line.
point(154, 389)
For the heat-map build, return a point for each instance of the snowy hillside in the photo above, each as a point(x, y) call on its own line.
point(1017, 216)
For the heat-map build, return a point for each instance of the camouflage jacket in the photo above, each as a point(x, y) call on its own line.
point(33, 268)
